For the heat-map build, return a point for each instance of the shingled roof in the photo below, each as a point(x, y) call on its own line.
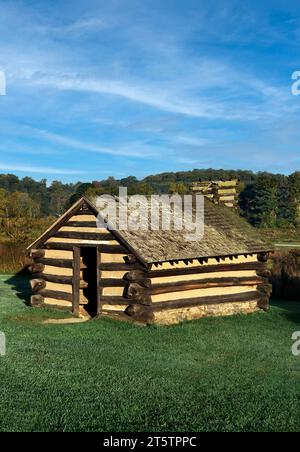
point(225, 234)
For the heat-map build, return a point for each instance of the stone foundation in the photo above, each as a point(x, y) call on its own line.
point(173, 316)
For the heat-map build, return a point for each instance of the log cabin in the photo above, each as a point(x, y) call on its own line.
point(150, 276)
point(220, 192)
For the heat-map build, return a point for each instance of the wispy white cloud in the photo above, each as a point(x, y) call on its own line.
point(190, 140)
point(82, 25)
point(134, 149)
point(190, 161)
point(137, 149)
point(148, 95)
point(39, 169)
point(236, 97)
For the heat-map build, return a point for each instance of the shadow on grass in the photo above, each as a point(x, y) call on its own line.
point(290, 309)
point(20, 284)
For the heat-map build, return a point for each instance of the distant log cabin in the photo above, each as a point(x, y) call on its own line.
point(220, 192)
point(150, 276)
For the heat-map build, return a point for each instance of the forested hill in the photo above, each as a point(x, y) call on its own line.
point(161, 182)
point(53, 198)
point(265, 199)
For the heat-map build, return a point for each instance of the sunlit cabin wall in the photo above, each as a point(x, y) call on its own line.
point(171, 292)
point(52, 268)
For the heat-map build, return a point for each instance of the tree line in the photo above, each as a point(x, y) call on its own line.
point(265, 199)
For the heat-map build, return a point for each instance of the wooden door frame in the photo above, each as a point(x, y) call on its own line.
point(76, 280)
point(98, 276)
point(76, 277)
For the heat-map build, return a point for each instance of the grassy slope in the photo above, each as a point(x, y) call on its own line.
point(214, 374)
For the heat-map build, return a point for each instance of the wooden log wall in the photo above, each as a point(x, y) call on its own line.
point(171, 292)
point(52, 268)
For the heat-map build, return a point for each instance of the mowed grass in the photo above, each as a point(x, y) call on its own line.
point(215, 374)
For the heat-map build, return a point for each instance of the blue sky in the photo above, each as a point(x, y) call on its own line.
point(99, 88)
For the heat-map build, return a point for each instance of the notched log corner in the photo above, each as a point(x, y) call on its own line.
point(37, 284)
point(36, 300)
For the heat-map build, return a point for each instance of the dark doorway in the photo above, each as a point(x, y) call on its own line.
point(89, 276)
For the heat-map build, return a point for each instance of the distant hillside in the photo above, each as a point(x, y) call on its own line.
point(265, 199)
point(161, 182)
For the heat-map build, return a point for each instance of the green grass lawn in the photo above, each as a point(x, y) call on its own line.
point(229, 374)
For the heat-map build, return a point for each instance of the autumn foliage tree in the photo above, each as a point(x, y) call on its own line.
point(19, 217)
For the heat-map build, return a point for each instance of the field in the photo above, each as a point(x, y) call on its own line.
point(224, 374)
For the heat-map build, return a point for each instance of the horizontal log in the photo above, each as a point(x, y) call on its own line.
point(134, 290)
point(140, 313)
point(112, 282)
point(264, 273)
point(55, 278)
point(265, 288)
point(37, 284)
point(135, 309)
point(138, 294)
point(204, 284)
point(263, 303)
point(60, 246)
point(139, 276)
point(61, 279)
point(84, 212)
point(113, 300)
point(228, 183)
point(262, 257)
point(136, 275)
point(130, 259)
point(216, 299)
point(144, 282)
point(226, 191)
point(259, 266)
point(68, 246)
point(65, 263)
point(83, 235)
point(144, 300)
point(81, 224)
point(37, 267)
point(113, 249)
point(111, 266)
point(36, 254)
point(56, 294)
point(36, 300)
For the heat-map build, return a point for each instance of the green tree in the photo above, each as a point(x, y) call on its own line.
point(294, 180)
point(259, 202)
point(286, 205)
point(178, 188)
